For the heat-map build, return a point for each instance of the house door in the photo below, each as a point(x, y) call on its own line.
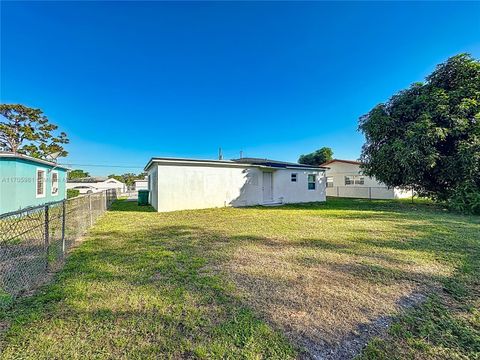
point(267, 187)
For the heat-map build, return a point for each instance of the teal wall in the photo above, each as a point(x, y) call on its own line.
point(18, 184)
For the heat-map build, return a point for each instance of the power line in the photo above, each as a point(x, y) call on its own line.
point(108, 166)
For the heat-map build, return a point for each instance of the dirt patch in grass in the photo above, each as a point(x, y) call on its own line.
point(331, 309)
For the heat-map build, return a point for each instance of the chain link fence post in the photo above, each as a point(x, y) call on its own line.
point(47, 237)
point(90, 208)
point(64, 211)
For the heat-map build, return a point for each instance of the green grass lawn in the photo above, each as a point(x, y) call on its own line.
point(294, 281)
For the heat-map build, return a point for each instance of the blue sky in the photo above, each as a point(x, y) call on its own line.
point(128, 81)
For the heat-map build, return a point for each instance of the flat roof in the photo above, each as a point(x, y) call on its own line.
point(244, 162)
point(4, 154)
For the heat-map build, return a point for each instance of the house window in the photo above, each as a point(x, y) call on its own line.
point(359, 180)
point(41, 183)
point(293, 177)
point(54, 183)
point(311, 181)
point(354, 180)
point(329, 182)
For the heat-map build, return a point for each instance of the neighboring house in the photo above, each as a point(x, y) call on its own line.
point(92, 184)
point(140, 184)
point(345, 179)
point(178, 184)
point(26, 181)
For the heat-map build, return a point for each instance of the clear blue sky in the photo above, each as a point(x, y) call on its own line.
point(128, 81)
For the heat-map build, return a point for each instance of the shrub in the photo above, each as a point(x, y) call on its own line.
point(466, 199)
point(72, 193)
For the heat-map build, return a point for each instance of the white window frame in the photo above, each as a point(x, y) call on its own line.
point(329, 181)
point(294, 176)
point(44, 188)
point(314, 182)
point(52, 184)
point(359, 180)
point(355, 180)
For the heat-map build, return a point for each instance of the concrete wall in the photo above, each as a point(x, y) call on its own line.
point(286, 191)
point(153, 186)
point(180, 187)
point(18, 184)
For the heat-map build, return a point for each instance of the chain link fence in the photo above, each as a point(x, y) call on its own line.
point(34, 241)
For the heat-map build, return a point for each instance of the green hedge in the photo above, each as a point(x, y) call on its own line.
point(72, 193)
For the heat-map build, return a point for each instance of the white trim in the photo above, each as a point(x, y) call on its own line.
point(314, 182)
point(37, 195)
point(51, 183)
point(32, 159)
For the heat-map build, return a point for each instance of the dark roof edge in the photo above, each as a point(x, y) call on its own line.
point(353, 162)
point(232, 163)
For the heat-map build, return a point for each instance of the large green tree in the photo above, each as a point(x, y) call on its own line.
point(317, 157)
point(28, 131)
point(427, 137)
point(77, 174)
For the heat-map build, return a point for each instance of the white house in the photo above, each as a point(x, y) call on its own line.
point(345, 179)
point(140, 184)
point(178, 184)
point(90, 185)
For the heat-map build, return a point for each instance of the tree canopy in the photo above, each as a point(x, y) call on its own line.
point(128, 178)
point(317, 157)
point(77, 174)
point(28, 131)
point(427, 137)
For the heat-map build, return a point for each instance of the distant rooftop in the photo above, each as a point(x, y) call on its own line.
point(354, 162)
point(90, 179)
point(272, 163)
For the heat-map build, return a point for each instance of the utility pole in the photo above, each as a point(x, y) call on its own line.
point(220, 154)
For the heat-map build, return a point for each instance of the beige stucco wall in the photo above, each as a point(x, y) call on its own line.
point(370, 189)
point(181, 187)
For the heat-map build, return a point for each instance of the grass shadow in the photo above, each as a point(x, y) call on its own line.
point(127, 205)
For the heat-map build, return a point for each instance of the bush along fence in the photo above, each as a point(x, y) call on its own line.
point(34, 241)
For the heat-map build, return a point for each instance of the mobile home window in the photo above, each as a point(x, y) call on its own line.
point(329, 181)
point(311, 181)
point(359, 180)
point(40, 183)
point(354, 180)
point(293, 177)
point(54, 183)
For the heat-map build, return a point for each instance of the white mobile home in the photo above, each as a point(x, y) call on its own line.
point(90, 185)
point(140, 184)
point(179, 184)
point(345, 179)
